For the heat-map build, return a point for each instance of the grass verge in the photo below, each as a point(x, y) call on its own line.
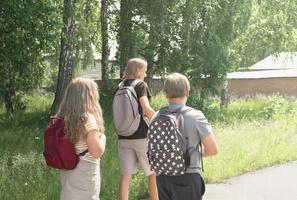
point(252, 134)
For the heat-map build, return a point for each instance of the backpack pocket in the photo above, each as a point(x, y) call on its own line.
point(170, 163)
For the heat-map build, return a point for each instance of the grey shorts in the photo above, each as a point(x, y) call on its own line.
point(131, 153)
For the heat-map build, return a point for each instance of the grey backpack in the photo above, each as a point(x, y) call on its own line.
point(125, 109)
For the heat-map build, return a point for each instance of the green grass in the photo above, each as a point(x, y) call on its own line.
point(251, 134)
point(250, 145)
point(23, 172)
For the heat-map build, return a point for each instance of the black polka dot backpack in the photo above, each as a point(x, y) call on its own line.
point(167, 143)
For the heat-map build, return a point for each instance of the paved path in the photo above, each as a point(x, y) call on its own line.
point(273, 183)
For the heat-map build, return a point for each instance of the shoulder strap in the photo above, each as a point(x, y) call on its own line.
point(83, 153)
point(163, 110)
point(183, 111)
point(135, 82)
point(121, 84)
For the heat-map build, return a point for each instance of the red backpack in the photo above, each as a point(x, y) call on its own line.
point(59, 151)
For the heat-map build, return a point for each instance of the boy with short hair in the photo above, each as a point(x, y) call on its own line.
point(190, 185)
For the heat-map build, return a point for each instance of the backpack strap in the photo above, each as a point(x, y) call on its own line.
point(83, 153)
point(183, 110)
point(121, 84)
point(164, 110)
point(135, 82)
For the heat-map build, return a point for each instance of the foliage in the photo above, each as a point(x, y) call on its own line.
point(28, 32)
point(106, 95)
point(105, 40)
point(206, 31)
point(204, 39)
point(190, 37)
point(79, 40)
point(271, 28)
point(87, 17)
point(158, 101)
point(260, 108)
point(67, 51)
point(124, 33)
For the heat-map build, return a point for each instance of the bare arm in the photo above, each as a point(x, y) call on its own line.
point(96, 143)
point(210, 146)
point(147, 109)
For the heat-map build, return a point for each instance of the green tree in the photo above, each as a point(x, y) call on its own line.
point(80, 33)
point(105, 39)
point(28, 32)
point(126, 40)
point(191, 37)
point(270, 29)
point(66, 59)
point(206, 31)
point(87, 32)
point(158, 32)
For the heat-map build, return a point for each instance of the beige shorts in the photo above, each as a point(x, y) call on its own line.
point(131, 153)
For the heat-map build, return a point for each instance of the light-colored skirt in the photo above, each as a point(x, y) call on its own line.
point(81, 183)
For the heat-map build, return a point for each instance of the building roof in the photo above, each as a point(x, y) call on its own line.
point(263, 74)
point(283, 60)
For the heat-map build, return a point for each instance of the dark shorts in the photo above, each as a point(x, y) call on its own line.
point(184, 187)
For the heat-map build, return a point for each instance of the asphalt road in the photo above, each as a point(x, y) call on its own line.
point(273, 183)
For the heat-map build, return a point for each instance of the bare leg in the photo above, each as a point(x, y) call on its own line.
point(124, 187)
point(153, 187)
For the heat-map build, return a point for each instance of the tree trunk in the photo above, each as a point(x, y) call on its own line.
point(126, 43)
point(150, 60)
point(66, 59)
point(104, 35)
point(151, 48)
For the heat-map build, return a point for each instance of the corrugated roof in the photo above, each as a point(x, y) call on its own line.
point(263, 74)
point(283, 60)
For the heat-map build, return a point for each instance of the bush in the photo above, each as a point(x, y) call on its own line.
point(259, 108)
point(158, 101)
